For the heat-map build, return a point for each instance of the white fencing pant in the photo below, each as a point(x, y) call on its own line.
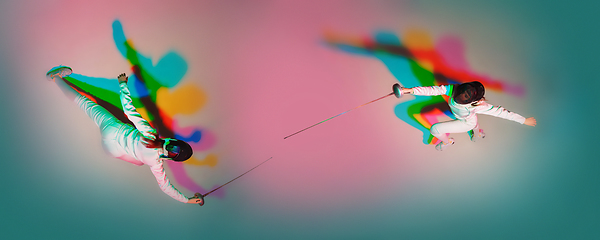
point(110, 126)
point(442, 129)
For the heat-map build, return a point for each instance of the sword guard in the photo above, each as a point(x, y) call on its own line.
point(397, 90)
point(199, 195)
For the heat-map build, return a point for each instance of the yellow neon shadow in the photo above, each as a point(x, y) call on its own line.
point(210, 160)
point(186, 99)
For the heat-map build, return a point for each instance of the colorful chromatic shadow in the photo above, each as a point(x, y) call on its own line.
point(159, 96)
point(417, 61)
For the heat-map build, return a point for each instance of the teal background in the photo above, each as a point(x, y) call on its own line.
point(521, 183)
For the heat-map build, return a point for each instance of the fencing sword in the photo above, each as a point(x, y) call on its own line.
point(201, 196)
point(397, 91)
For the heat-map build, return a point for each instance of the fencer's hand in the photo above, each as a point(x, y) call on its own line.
point(530, 121)
point(407, 91)
point(122, 78)
point(194, 200)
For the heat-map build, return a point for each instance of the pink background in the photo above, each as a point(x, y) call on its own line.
point(268, 73)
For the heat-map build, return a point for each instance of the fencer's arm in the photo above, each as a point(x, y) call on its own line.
point(428, 91)
point(140, 123)
point(165, 184)
point(498, 111)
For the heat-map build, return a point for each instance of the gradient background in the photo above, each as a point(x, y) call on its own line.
point(267, 73)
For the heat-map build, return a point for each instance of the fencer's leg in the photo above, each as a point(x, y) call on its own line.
point(97, 113)
point(437, 131)
point(441, 129)
point(107, 123)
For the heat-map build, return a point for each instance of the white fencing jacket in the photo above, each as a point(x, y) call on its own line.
point(467, 112)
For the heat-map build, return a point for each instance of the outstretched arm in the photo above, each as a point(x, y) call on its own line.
point(165, 185)
point(428, 91)
point(499, 111)
point(140, 123)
